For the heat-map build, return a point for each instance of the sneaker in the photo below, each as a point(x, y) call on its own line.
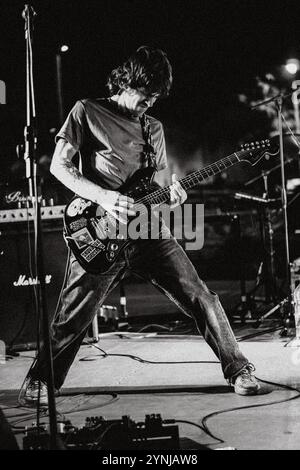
point(36, 391)
point(244, 382)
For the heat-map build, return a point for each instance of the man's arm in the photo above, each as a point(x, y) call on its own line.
point(63, 168)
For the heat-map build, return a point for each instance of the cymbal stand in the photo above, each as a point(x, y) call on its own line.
point(266, 276)
point(289, 304)
point(268, 264)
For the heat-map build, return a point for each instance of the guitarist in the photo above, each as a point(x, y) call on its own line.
point(114, 138)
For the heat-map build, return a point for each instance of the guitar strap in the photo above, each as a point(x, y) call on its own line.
point(149, 153)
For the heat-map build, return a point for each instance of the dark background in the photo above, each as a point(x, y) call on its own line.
point(216, 49)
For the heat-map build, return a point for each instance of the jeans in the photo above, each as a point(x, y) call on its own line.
point(165, 264)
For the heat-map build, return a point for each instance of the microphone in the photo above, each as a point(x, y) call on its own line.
point(28, 10)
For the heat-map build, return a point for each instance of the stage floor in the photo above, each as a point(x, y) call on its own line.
point(186, 390)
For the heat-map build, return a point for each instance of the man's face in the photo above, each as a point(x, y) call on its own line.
point(137, 101)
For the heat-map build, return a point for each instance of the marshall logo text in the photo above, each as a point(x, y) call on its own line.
point(30, 281)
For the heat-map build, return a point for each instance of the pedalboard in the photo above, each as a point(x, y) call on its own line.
point(100, 433)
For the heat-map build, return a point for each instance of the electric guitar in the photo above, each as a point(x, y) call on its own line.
point(94, 235)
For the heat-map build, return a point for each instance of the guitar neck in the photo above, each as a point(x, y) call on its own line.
point(162, 195)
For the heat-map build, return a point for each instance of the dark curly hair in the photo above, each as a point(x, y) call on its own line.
point(146, 68)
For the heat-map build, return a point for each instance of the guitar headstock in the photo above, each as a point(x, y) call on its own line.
point(253, 152)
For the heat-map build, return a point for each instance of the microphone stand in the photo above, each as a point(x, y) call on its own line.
point(289, 304)
point(30, 147)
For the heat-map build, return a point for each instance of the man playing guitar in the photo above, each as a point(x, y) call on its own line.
point(114, 138)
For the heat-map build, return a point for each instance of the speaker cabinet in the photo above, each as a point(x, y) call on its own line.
point(18, 322)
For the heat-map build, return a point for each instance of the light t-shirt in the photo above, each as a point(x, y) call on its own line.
point(110, 143)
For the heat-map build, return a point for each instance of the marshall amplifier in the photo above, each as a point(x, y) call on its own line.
point(18, 322)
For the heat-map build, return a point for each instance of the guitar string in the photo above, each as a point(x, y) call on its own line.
point(139, 205)
point(193, 178)
point(206, 171)
point(214, 168)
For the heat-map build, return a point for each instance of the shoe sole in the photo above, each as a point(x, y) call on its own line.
point(246, 392)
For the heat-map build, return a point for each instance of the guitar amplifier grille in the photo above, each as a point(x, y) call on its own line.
point(18, 321)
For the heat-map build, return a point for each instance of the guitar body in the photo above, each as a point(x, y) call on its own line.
point(90, 233)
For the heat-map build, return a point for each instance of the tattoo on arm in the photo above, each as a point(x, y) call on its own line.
point(66, 172)
point(71, 169)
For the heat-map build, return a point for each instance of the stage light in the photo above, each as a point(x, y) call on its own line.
point(64, 48)
point(292, 66)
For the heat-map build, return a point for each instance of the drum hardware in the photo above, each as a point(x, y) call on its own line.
point(266, 273)
point(286, 304)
